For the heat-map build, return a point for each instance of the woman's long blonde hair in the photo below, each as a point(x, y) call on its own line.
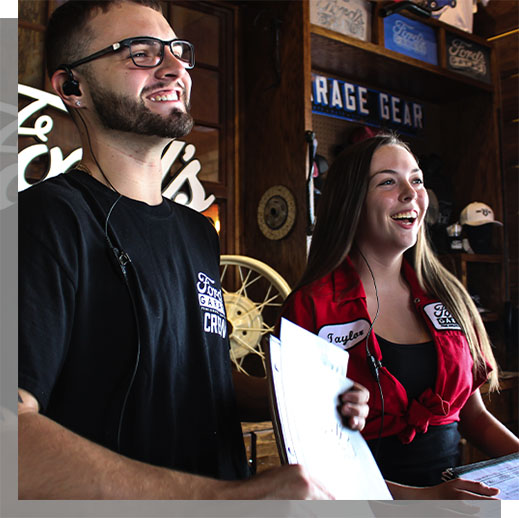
point(336, 225)
point(436, 279)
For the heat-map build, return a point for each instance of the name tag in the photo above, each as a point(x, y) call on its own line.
point(441, 318)
point(345, 335)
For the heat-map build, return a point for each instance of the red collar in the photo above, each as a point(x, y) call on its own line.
point(347, 286)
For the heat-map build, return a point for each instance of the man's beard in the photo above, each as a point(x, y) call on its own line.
point(122, 113)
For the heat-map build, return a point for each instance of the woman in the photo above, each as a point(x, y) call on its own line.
point(374, 287)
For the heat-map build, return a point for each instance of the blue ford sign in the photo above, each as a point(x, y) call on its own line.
point(412, 38)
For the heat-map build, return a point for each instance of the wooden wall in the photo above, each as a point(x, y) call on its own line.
point(499, 21)
point(274, 114)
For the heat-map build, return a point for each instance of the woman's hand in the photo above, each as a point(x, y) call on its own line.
point(353, 406)
point(461, 489)
point(457, 489)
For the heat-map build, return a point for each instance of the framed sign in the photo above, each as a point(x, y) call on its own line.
point(349, 17)
point(412, 38)
point(468, 58)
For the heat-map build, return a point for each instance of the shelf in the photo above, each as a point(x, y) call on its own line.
point(472, 258)
point(490, 316)
point(480, 258)
point(487, 282)
point(508, 380)
point(379, 67)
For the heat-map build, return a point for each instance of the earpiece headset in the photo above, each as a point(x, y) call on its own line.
point(118, 257)
point(122, 262)
point(71, 85)
point(374, 364)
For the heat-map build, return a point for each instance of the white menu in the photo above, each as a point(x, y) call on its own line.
point(306, 375)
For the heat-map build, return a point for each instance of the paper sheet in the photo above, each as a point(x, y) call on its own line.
point(308, 374)
point(502, 473)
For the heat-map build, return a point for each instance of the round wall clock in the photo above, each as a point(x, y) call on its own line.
point(276, 212)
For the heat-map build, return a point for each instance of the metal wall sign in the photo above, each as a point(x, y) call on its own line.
point(468, 58)
point(349, 101)
point(350, 17)
point(411, 38)
point(183, 186)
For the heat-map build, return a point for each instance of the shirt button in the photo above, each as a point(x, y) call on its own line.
point(416, 301)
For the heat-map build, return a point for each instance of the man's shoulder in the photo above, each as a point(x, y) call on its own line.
point(56, 200)
point(185, 210)
point(191, 217)
point(55, 189)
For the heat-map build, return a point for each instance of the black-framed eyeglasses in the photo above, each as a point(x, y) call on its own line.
point(146, 51)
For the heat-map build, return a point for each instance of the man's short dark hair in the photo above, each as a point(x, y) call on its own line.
point(66, 38)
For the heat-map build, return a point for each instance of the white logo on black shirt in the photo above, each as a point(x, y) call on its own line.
point(345, 335)
point(211, 302)
point(440, 317)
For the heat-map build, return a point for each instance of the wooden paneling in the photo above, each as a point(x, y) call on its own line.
point(510, 103)
point(497, 17)
point(275, 112)
point(33, 12)
point(507, 52)
point(499, 21)
point(30, 57)
point(470, 145)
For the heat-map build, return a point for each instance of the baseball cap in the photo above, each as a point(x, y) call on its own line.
point(476, 214)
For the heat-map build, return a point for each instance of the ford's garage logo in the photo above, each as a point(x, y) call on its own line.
point(463, 56)
point(440, 317)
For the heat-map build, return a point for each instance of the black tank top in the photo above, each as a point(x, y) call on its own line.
point(413, 365)
point(421, 462)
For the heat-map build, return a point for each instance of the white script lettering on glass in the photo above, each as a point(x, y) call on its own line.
point(194, 196)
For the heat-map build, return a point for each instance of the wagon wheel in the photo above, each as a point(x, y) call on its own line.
point(253, 293)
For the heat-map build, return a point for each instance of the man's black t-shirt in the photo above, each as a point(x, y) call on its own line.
point(79, 345)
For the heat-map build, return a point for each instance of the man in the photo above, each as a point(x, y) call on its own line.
point(123, 393)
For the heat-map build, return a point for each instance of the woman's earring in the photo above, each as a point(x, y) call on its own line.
point(78, 103)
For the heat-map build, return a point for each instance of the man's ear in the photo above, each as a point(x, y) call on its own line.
point(67, 87)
